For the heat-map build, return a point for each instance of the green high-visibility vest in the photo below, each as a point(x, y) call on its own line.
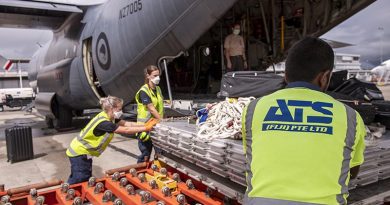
point(300, 145)
point(143, 114)
point(88, 143)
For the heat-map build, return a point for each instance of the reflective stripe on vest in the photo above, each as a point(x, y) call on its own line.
point(144, 136)
point(82, 143)
point(72, 152)
point(255, 194)
point(349, 143)
point(143, 114)
point(80, 137)
point(148, 116)
point(265, 201)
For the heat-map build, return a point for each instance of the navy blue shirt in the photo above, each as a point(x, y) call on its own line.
point(144, 98)
point(105, 126)
point(303, 84)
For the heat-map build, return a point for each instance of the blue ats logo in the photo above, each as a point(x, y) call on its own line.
point(284, 120)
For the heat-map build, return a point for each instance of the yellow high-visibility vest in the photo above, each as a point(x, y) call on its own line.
point(143, 114)
point(88, 143)
point(300, 144)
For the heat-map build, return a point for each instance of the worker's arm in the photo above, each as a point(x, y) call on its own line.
point(153, 111)
point(130, 130)
point(358, 153)
point(129, 124)
point(227, 53)
point(110, 127)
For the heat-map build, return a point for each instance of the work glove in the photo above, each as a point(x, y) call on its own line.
point(150, 124)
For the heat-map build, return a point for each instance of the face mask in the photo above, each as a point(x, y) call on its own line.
point(236, 31)
point(118, 114)
point(156, 80)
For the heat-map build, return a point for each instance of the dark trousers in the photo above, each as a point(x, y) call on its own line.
point(81, 169)
point(146, 150)
point(237, 63)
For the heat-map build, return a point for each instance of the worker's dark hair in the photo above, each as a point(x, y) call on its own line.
point(236, 24)
point(307, 58)
point(148, 70)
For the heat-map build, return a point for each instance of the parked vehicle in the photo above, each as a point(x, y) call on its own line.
point(16, 97)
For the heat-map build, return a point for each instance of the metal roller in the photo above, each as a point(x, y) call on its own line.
point(145, 196)
point(166, 191)
point(98, 188)
point(107, 196)
point(77, 201)
point(116, 176)
point(70, 194)
point(91, 181)
point(153, 184)
point(40, 200)
point(181, 199)
point(141, 177)
point(133, 172)
point(130, 189)
point(33, 192)
point(64, 187)
point(123, 182)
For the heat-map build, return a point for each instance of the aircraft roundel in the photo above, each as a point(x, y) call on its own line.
point(103, 53)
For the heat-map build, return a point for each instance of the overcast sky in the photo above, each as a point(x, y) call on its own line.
point(360, 30)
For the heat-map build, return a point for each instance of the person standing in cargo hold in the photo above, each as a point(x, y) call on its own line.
point(149, 104)
point(96, 136)
point(302, 146)
point(235, 50)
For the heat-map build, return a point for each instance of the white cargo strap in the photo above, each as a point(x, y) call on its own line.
point(224, 120)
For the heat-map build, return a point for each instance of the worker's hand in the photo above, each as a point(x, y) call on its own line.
point(151, 123)
point(229, 65)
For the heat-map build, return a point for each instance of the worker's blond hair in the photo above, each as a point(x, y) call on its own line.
point(110, 102)
point(148, 70)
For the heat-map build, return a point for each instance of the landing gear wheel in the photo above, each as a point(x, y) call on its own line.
point(1, 108)
point(64, 118)
point(49, 122)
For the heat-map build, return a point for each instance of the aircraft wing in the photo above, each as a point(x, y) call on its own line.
point(35, 14)
point(337, 44)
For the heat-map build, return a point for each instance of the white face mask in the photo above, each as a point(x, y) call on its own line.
point(156, 80)
point(236, 31)
point(118, 114)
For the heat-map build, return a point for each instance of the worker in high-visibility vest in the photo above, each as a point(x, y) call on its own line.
point(96, 136)
point(302, 146)
point(149, 105)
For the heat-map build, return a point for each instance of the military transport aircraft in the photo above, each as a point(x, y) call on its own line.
point(101, 48)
